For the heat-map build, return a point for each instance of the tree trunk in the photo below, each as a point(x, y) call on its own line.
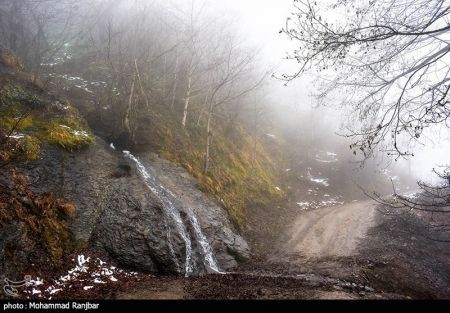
point(175, 82)
point(129, 108)
point(208, 140)
point(140, 84)
point(186, 101)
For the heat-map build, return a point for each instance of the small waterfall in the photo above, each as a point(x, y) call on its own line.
point(201, 239)
point(172, 213)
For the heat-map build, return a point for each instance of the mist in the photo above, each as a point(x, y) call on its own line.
point(210, 149)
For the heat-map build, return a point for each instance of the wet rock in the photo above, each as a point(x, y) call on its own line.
point(118, 213)
point(229, 247)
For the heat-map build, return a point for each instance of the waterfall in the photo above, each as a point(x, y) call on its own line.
point(171, 212)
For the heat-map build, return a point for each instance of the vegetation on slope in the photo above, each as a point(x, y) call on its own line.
point(44, 217)
point(29, 119)
point(239, 176)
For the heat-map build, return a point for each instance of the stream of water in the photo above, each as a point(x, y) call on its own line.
point(172, 213)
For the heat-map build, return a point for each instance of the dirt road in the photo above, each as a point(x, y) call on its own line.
point(330, 231)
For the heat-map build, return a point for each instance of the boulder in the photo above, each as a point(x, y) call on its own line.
point(119, 213)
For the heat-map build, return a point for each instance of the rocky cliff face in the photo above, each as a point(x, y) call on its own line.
point(119, 213)
point(61, 189)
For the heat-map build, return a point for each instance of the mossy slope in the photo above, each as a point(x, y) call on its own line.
point(29, 117)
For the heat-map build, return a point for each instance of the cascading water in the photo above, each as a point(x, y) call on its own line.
point(171, 212)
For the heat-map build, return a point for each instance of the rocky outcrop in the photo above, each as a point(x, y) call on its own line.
point(212, 217)
point(117, 212)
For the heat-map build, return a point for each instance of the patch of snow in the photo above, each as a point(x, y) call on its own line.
point(114, 148)
point(37, 282)
point(16, 136)
point(271, 136)
point(319, 204)
point(326, 157)
point(80, 133)
point(106, 272)
point(85, 273)
point(82, 259)
point(322, 181)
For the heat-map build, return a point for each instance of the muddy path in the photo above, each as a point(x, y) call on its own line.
point(351, 251)
point(256, 285)
point(329, 231)
point(358, 241)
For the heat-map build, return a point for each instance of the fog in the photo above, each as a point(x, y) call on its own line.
point(259, 22)
point(257, 25)
point(225, 149)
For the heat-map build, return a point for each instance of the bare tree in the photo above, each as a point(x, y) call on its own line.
point(231, 80)
point(36, 31)
point(389, 62)
point(388, 59)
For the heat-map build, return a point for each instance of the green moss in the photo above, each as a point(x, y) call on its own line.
point(10, 122)
point(31, 147)
point(21, 111)
point(58, 239)
point(61, 134)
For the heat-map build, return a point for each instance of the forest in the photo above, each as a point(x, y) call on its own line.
point(207, 150)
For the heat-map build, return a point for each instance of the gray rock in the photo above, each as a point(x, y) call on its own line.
point(118, 213)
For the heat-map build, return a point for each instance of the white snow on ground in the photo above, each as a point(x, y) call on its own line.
point(74, 131)
point(16, 136)
point(305, 205)
point(326, 157)
point(321, 181)
point(37, 282)
point(80, 82)
point(87, 271)
point(80, 133)
point(112, 146)
point(271, 136)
